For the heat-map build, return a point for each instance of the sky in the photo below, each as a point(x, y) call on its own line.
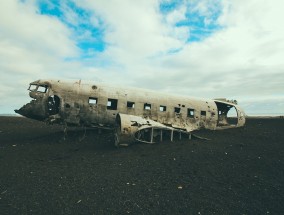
point(230, 49)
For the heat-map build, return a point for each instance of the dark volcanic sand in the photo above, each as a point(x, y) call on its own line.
point(239, 171)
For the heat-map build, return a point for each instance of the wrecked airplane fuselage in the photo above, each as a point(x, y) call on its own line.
point(133, 114)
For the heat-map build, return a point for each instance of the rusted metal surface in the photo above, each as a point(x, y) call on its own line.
point(130, 112)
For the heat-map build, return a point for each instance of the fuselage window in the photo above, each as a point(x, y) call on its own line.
point(163, 108)
point(177, 110)
point(147, 106)
point(190, 113)
point(93, 100)
point(203, 113)
point(130, 104)
point(112, 104)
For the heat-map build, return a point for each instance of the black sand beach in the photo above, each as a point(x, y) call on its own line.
point(237, 171)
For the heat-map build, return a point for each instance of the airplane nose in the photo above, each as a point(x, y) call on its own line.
point(32, 110)
point(21, 112)
point(18, 111)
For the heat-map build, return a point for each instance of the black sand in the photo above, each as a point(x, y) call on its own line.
point(239, 171)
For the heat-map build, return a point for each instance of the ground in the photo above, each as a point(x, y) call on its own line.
point(237, 171)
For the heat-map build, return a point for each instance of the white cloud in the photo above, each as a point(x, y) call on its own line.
point(135, 29)
point(31, 45)
point(24, 27)
point(242, 60)
point(177, 15)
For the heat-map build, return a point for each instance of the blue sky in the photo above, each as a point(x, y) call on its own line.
point(83, 24)
point(200, 48)
point(197, 22)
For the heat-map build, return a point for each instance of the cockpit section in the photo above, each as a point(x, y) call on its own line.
point(44, 103)
point(37, 90)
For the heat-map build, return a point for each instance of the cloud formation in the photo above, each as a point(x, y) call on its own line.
point(199, 48)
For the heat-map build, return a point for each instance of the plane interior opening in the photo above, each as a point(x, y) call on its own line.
point(53, 104)
point(227, 115)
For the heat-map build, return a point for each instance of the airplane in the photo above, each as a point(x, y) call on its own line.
point(133, 114)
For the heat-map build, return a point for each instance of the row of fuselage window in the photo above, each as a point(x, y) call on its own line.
point(112, 105)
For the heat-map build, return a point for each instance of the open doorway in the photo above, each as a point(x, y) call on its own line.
point(227, 115)
point(53, 104)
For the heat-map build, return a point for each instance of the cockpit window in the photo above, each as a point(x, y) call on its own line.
point(42, 89)
point(32, 87)
point(38, 88)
